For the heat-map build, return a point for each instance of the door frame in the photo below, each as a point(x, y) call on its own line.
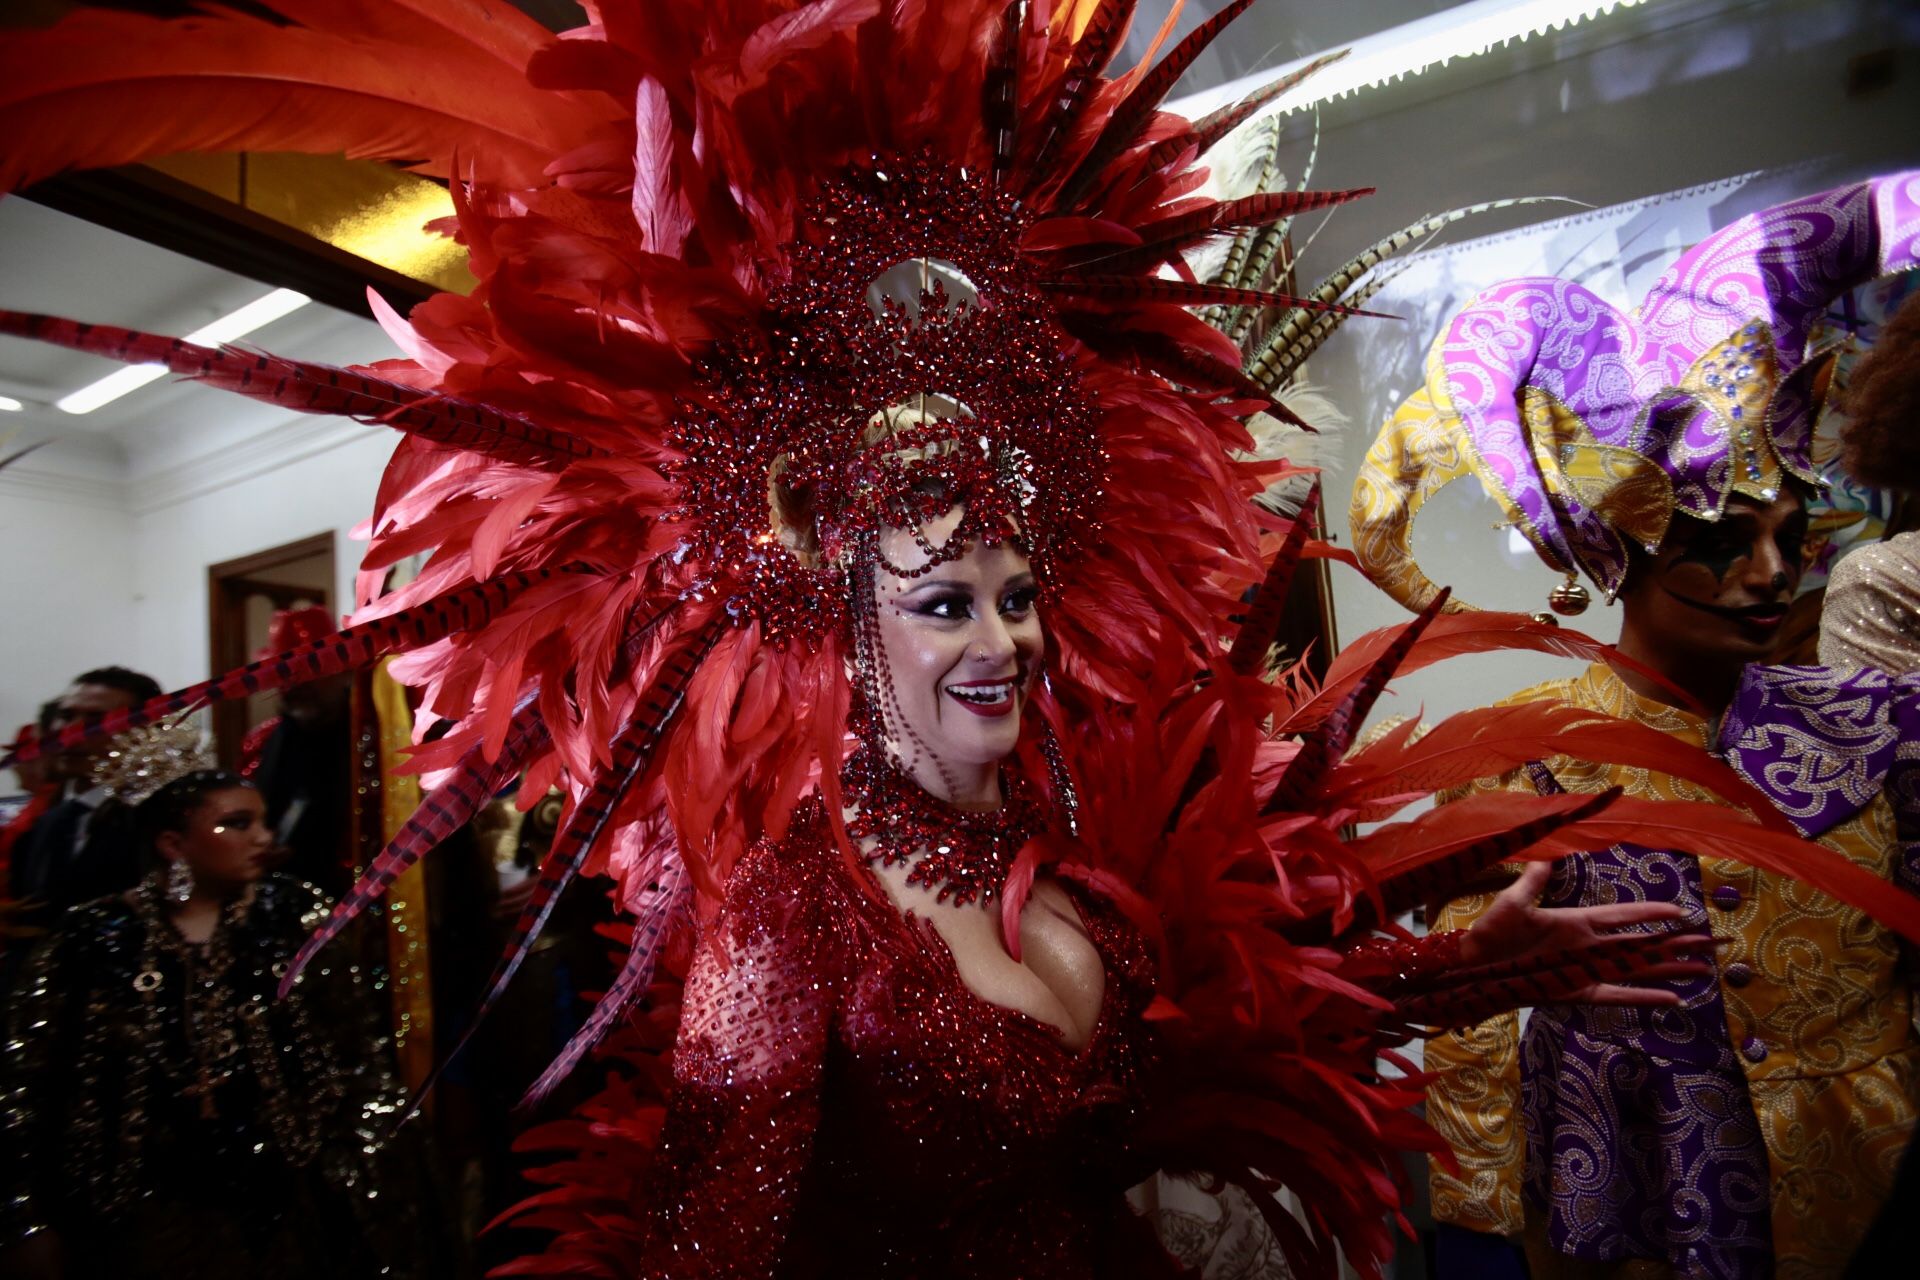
point(229, 583)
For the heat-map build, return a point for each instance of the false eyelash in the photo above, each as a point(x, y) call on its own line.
point(1028, 597)
point(926, 608)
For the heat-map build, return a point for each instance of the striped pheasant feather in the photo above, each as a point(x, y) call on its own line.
point(464, 609)
point(316, 388)
point(631, 753)
point(442, 811)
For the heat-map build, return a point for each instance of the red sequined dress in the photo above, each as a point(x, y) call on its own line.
point(843, 1105)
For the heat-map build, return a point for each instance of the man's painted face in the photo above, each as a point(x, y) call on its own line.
point(1721, 588)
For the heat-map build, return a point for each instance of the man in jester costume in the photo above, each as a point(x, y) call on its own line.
point(1664, 453)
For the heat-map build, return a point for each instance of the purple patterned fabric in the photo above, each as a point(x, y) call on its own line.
point(1821, 744)
point(1704, 381)
point(1641, 1138)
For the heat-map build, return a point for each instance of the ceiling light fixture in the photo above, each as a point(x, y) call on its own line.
point(1401, 52)
point(9, 405)
point(256, 314)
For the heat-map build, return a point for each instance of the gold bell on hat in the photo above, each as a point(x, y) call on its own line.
point(1569, 599)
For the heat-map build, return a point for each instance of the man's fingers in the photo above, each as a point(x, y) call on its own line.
point(1701, 945)
point(1674, 969)
point(1613, 994)
point(1616, 914)
point(1532, 882)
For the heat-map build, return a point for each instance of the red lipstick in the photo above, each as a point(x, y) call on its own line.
point(989, 698)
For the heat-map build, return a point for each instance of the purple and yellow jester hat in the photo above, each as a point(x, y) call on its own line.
point(1591, 426)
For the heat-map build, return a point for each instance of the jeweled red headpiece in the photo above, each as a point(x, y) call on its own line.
point(908, 291)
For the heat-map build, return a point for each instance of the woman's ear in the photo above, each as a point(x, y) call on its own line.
point(170, 845)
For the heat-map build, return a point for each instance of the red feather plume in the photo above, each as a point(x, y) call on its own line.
point(1075, 87)
point(1124, 126)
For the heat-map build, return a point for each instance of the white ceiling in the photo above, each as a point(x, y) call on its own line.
point(60, 265)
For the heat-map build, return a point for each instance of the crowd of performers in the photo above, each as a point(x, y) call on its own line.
point(840, 500)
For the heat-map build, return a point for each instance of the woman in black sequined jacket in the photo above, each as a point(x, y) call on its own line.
point(166, 1115)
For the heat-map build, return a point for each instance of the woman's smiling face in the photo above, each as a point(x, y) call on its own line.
point(961, 645)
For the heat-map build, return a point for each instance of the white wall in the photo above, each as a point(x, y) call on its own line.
point(66, 578)
point(312, 475)
point(1638, 103)
point(106, 538)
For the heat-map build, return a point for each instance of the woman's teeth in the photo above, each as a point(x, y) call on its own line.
point(984, 695)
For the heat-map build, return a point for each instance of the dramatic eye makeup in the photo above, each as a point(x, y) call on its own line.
point(953, 601)
point(1717, 548)
point(946, 601)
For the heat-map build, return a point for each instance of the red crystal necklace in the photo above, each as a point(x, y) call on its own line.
point(963, 856)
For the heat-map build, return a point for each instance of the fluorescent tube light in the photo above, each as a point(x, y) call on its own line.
point(237, 324)
point(110, 388)
point(1463, 31)
point(255, 315)
point(9, 405)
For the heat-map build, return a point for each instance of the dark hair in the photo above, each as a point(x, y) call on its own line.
point(48, 715)
point(169, 808)
point(143, 688)
point(1880, 441)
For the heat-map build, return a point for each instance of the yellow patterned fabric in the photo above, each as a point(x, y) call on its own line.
point(407, 958)
point(1474, 1103)
point(1628, 490)
point(1420, 451)
point(1817, 1010)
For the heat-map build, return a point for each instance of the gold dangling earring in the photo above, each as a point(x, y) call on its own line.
point(1569, 599)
